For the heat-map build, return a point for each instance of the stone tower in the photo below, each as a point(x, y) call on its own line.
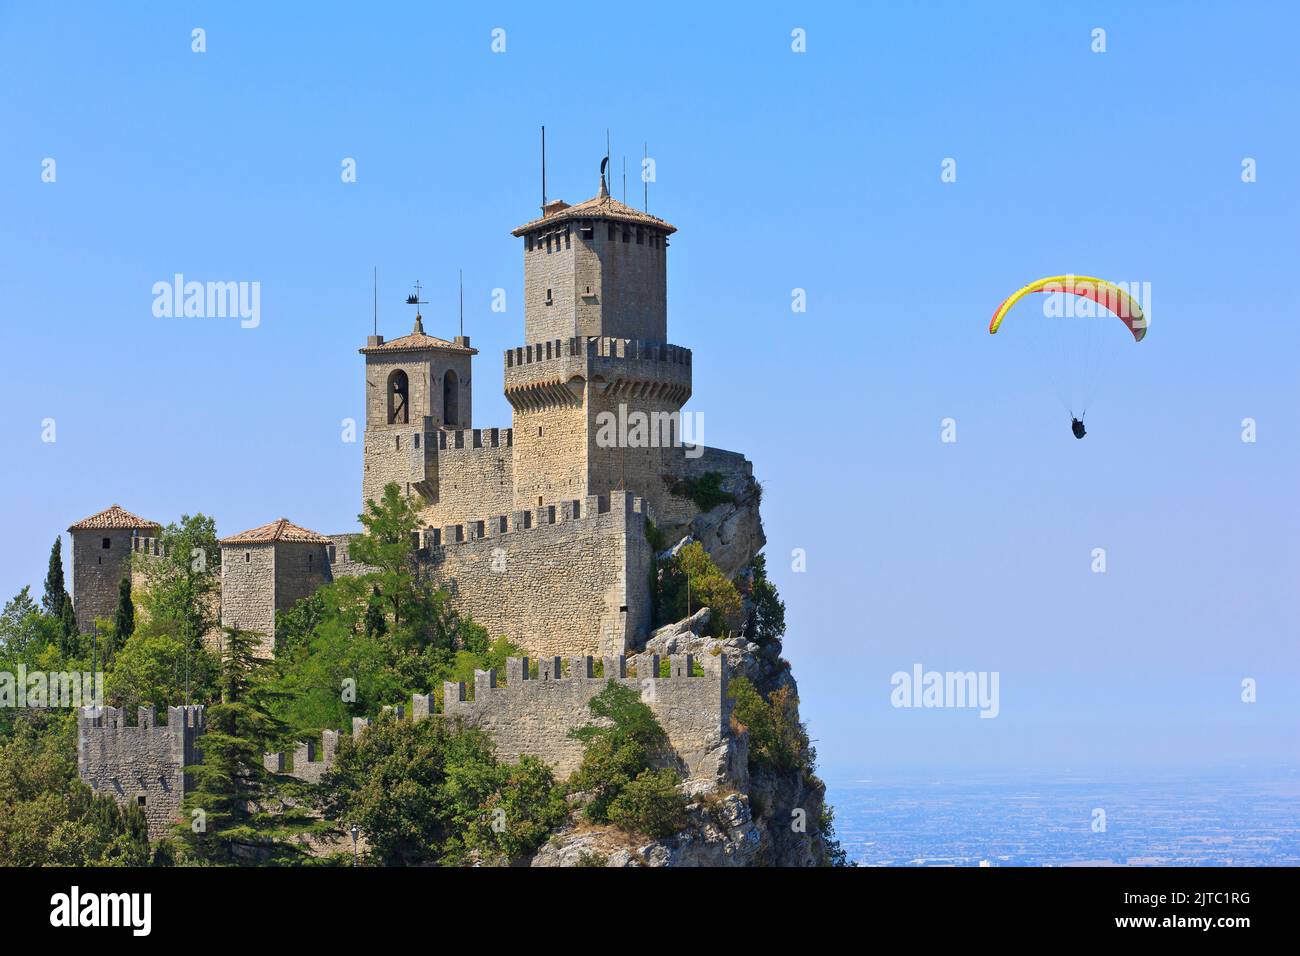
point(101, 558)
point(416, 387)
point(596, 343)
point(266, 571)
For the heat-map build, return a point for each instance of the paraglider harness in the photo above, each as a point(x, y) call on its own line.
point(1076, 426)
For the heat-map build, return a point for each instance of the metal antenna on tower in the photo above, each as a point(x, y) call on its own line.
point(543, 167)
point(645, 182)
point(376, 300)
point(625, 180)
point(460, 273)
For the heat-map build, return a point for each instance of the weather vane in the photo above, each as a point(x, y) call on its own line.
point(415, 300)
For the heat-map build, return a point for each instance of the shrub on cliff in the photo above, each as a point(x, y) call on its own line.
point(428, 792)
point(767, 618)
point(689, 581)
point(615, 771)
point(777, 740)
point(705, 490)
point(651, 804)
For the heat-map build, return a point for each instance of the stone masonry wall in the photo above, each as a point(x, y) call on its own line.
point(570, 576)
point(248, 590)
point(609, 284)
point(474, 475)
point(533, 714)
point(551, 266)
point(300, 568)
point(405, 454)
point(97, 572)
point(140, 763)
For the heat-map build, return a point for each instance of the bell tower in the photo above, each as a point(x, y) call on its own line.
point(416, 386)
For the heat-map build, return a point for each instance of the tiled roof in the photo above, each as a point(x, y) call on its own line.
point(598, 207)
point(114, 517)
point(417, 341)
point(282, 530)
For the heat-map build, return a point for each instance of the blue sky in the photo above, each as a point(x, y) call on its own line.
point(818, 171)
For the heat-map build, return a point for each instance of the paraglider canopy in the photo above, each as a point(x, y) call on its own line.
point(1106, 294)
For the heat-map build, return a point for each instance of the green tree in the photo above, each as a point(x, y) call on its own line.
point(651, 803)
point(525, 808)
point(182, 586)
point(617, 755)
point(777, 740)
point(23, 628)
point(124, 615)
point(154, 668)
point(376, 625)
point(387, 545)
point(767, 620)
point(689, 581)
point(430, 792)
point(50, 817)
point(69, 639)
point(247, 813)
point(56, 591)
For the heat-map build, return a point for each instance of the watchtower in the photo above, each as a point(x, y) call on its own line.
point(596, 350)
point(265, 571)
point(101, 558)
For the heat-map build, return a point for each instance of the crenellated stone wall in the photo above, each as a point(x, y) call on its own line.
point(140, 763)
point(573, 575)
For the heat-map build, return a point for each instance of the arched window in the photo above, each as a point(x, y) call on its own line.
point(398, 398)
point(450, 399)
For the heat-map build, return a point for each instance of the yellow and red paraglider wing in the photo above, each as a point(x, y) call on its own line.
point(1106, 294)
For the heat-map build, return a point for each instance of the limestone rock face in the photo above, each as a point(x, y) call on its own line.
point(762, 665)
point(721, 832)
point(750, 817)
point(732, 532)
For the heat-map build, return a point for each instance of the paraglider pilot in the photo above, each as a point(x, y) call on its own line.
point(1076, 426)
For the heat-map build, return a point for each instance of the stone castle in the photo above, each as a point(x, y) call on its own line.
point(538, 531)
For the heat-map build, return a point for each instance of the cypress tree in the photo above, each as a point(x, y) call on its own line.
point(71, 639)
point(56, 592)
point(124, 618)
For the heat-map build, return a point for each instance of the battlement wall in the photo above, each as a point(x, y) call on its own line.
point(572, 574)
point(140, 763)
point(471, 438)
point(149, 547)
point(595, 347)
point(532, 372)
point(532, 714)
point(473, 476)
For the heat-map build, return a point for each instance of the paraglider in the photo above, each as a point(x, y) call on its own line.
point(1105, 294)
point(1108, 295)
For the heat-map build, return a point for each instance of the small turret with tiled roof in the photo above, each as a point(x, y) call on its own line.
point(101, 558)
point(266, 570)
point(114, 517)
point(281, 529)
